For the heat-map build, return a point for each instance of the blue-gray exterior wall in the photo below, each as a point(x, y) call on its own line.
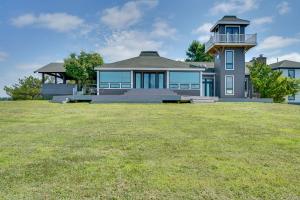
point(238, 72)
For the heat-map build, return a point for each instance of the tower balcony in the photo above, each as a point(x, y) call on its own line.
point(230, 40)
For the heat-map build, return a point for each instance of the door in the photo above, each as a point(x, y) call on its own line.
point(232, 33)
point(208, 87)
point(149, 80)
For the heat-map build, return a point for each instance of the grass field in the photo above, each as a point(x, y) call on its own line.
point(149, 151)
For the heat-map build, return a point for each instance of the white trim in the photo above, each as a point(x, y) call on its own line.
point(201, 85)
point(150, 69)
point(232, 85)
point(232, 59)
point(131, 78)
point(208, 73)
point(233, 26)
point(98, 82)
point(168, 79)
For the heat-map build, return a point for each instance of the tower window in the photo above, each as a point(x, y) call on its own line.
point(229, 60)
point(229, 85)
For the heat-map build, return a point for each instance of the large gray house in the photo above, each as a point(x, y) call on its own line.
point(151, 76)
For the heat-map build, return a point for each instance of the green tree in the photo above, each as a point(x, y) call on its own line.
point(196, 53)
point(28, 88)
point(270, 83)
point(81, 67)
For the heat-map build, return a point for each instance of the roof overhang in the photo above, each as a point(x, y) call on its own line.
point(150, 69)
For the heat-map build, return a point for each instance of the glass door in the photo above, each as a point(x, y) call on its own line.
point(149, 80)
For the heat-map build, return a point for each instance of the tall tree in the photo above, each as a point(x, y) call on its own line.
point(81, 67)
point(28, 88)
point(270, 83)
point(196, 53)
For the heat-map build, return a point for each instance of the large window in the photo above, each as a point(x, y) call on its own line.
point(229, 59)
point(291, 73)
point(229, 85)
point(115, 79)
point(184, 80)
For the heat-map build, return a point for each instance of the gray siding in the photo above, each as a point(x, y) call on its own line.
point(50, 89)
point(238, 72)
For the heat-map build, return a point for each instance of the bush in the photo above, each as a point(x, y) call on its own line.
point(28, 88)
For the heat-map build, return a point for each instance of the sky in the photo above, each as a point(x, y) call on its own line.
point(34, 33)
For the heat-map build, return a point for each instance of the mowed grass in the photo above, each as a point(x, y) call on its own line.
point(149, 151)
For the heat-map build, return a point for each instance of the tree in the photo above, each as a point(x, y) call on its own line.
point(270, 83)
point(28, 88)
point(81, 67)
point(196, 53)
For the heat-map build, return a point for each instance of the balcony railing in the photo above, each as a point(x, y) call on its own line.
point(247, 39)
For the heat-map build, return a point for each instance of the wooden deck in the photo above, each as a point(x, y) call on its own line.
point(136, 96)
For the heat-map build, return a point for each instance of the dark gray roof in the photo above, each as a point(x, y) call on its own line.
point(285, 64)
point(149, 59)
point(229, 19)
point(52, 67)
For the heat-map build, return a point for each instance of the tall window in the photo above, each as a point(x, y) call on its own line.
point(229, 60)
point(229, 85)
point(291, 73)
point(115, 79)
point(184, 80)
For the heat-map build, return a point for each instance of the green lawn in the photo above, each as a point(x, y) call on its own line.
point(149, 151)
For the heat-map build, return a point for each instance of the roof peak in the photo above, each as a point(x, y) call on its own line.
point(149, 53)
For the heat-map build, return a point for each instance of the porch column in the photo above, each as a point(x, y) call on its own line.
point(55, 79)
point(201, 92)
point(168, 75)
point(98, 82)
point(43, 78)
point(131, 78)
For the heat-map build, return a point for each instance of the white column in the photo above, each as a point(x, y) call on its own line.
point(131, 78)
point(98, 82)
point(201, 90)
point(168, 74)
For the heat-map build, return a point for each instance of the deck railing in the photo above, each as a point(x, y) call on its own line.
point(249, 39)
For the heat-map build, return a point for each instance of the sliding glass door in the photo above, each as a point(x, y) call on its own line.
point(149, 80)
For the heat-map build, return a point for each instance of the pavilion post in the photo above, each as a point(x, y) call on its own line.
point(43, 78)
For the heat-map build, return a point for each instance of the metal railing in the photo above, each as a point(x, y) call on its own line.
point(232, 39)
point(110, 85)
point(184, 86)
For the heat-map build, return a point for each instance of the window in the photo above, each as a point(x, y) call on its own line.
point(115, 79)
point(291, 73)
point(229, 60)
point(185, 80)
point(229, 85)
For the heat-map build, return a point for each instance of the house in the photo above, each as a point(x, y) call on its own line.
point(289, 69)
point(150, 76)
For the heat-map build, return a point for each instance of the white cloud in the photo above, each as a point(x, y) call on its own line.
point(129, 14)
point(61, 22)
point(233, 6)
point(274, 42)
point(203, 31)
point(283, 7)
point(262, 20)
point(163, 29)
point(126, 44)
point(3, 56)
point(294, 56)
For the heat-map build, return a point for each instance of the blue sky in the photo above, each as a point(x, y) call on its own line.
point(34, 33)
